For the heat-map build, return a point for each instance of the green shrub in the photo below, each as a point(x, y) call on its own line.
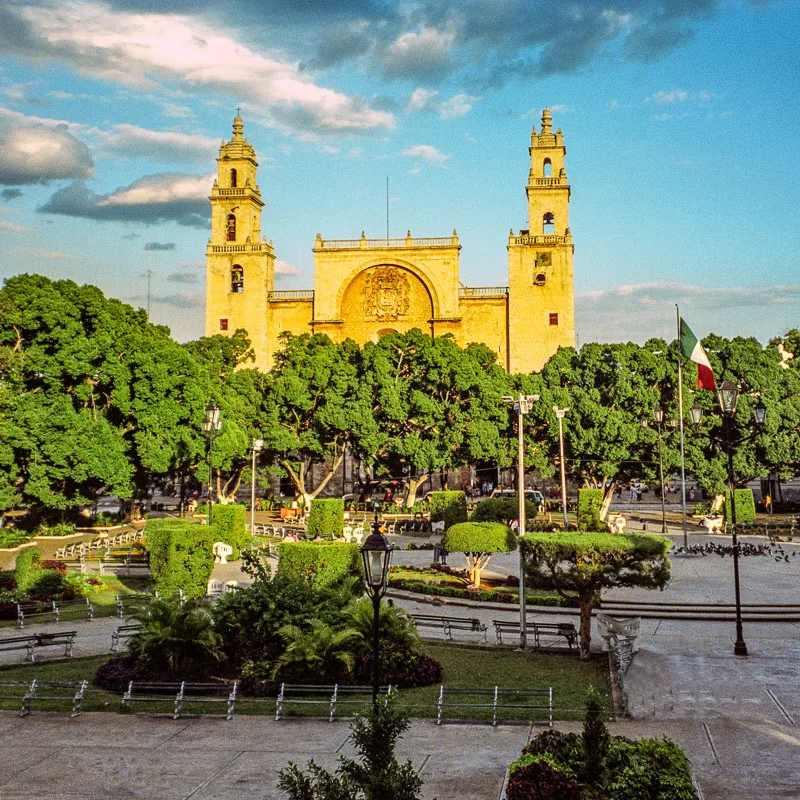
point(326, 518)
point(27, 566)
point(229, 526)
point(745, 505)
point(480, 537)
point(46, 584)
point(590, 501)
point(180, 556)
point(317, 563)
point(12, 538)
point(501, 509)
point(60, 529)
point(450, 507)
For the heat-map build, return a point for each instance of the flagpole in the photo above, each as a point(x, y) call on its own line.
point(683, 459)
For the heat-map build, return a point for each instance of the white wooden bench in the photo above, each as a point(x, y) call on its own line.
point(496, 699)
point(449, 624)
point(55, 691)
point(329, 695)
point(122, 634)
point(183, 692)
point(538, 631)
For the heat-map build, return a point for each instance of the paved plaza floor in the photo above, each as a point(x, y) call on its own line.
point(736, 718)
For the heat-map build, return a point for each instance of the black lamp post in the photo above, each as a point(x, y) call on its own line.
point(728, 395)
point(376, 554)
point(212, 423)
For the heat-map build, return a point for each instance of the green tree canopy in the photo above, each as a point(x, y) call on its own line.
point(579, 565)
point(477, 541)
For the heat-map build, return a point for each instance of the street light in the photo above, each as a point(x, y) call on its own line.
point(212, 423)
point(728, 396)
point(257, 445)
point(522, 404)
point(658, 417)
point(560, 413)
point(376, 554)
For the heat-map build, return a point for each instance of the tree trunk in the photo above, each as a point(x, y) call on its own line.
point(298, 478)
point(413, 487)
point(608, 496)
point(585, 632)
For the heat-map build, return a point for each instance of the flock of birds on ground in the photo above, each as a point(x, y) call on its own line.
point(774, 549)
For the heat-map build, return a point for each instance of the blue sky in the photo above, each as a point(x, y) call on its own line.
point(680, 120)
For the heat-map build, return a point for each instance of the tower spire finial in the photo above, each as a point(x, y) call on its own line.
point(238, 126)
point(547, 123)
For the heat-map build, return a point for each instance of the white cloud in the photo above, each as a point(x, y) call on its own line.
point(458, 106)
point(283, 268)
point(177, 111)
point(161, 189)
point(183, 277)
point(663, 98)
point(422, 54)
point(31, 153)
point(428, 153)
point(44, 254)
point(423, 100)
point(169, 146)
point(13, 227)
point(148, 51)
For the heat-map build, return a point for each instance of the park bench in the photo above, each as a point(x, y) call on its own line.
point(19, 643)
point(127, 565)
point(55, 691)
point(538, 630)
point(36, 609)
point(128, 604)
point(122, 634)
point(326, 695)
point(496, 699)
point(35, 641)
point(73, 608)
point(449, 624)
point(180, 693)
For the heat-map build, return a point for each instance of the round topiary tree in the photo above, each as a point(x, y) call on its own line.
point(477, 541)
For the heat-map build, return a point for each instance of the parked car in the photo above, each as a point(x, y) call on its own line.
point(534, 495)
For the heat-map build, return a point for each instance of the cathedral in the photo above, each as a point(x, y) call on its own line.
point(366, 288)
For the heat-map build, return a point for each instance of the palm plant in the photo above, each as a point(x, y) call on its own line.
point(396, 630)
point(176, 637)
point(320, 650)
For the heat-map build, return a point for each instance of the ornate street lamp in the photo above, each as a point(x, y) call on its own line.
point(728, 396)
point(376, 555)
point(258, 444)
point(658, 416)
point(212, 424)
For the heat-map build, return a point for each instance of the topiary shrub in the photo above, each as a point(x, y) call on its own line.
point(477, 541)
point(449, 507)
point(501, 509)
point(590, 501)
point(28, 564)
point(180, 556)
point(317, 563)
point(48, 584)
point(745, 505)
point(229, 526)
point(326, 518)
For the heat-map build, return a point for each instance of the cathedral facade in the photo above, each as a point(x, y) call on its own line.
point(366, 288)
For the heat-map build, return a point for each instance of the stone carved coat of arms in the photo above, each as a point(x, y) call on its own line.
point(386, 293)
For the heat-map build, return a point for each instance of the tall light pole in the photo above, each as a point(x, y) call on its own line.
point(257, 445)
point(376, 555)
point(728, 396)
point(522, 404)
point(212, 423)
point(560, 413)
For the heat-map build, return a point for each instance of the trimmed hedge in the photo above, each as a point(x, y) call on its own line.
point(450, 507)
point(229, 525)
point(27, 567)
point(326, 518)
point(590, 501)
point(479, 537)
point(745, 505)
point(317, 563)
point(502, 509)
point(180, 555)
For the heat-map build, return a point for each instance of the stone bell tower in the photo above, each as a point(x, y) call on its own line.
point(541, 316)
point(239, 263)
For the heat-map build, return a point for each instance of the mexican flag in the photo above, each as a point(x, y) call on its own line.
point(693, 350)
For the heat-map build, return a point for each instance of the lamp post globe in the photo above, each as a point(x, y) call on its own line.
point(212, 423)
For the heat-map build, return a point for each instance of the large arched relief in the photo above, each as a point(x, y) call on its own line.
point(385, 294)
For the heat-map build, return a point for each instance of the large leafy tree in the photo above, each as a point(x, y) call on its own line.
point(579, 565)
point(609, 388)
point(437, 406)
point(760, 375)
point(316, 404)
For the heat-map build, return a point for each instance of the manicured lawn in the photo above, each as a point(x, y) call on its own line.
point(463, 665)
